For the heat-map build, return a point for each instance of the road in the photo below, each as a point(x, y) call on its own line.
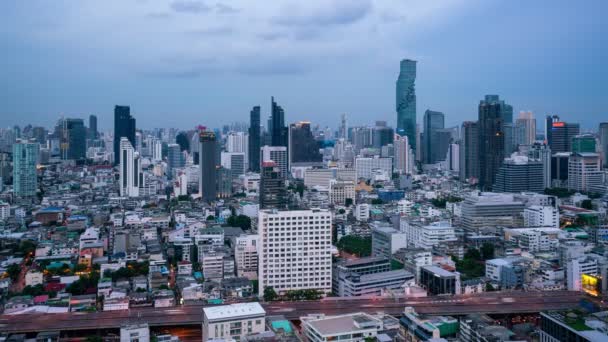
point(491, 303)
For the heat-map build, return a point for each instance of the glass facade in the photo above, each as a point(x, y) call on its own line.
point(406, 101)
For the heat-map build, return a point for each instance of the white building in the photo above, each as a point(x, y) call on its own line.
point(318, 177)
point(278, 154)
point(340, 190)
point(295, 251)
point(584, 172)
point(235, 162)
point(246, 255)
point(541, 216)
point(576, 268)
point(5, 209)
point(354, 327)
point(429, 236)
point(362, 212)
point(233, 322)
point(238, 142)
point(33, 278)
point(404, 207)
point(365, 165)
point(130, 170)
point(386, 240)
point(135, 333)
point(403, 154)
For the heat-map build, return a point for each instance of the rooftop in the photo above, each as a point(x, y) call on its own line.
point(233, 311)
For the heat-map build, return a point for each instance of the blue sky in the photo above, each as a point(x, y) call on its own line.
point(180, 63)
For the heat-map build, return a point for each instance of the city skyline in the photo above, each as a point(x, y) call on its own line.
point(173, 84)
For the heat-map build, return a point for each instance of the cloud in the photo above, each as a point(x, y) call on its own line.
point(189, 6)
point(225, 9)
point(336, 12)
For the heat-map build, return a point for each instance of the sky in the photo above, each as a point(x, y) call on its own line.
point(181, 63)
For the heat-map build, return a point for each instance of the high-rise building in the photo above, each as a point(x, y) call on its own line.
point(519, 173)
point(279, 130)
point(561, 134)
point(492, 114)
point(255, 138)
point(207, 186)
point(603, 133)
point(303, 148)
point(235, 162)
point(584, 172)
point(403, 154)
point(433, 121)
point(131, 176)
point(527, 120)
point(295, 251)
point(175, 159)
point(273, 194)
point(382, 135)
point(542, 153)
point(73, 136)
point(406, 101)
point(453, 157)
point(343, 132)
point(124, 126)
point(584, 143)
point(25, 179)
point(93, 134)
point(278, 154)
point(469, 151)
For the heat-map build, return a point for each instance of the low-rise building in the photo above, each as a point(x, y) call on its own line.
point(233, 322)
point(355, 327)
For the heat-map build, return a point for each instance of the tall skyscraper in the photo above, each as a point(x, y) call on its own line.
point(382, 135)
point(343, 132)
point(469, 152)
point(25, 179)
point(603, 133)
point(542, 152)
point(303, 148)
point(519, 173)
point(279, 130)
point(207, 185)
point(273, 194)
point(72, 137)
point(255, 137)
point(406, 101)
point(584, 143)
point(433, 121)
point(93, 134)
point(403, 161)
point(278, 154)
point(492, 112)
point(235, 162)
point(131, 176)
point(175, 158)
point(124, 126)
point(560, 134)
point(527, 120)
point(301, 260)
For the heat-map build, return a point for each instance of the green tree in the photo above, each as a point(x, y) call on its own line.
point(210, 218)
point(270, 294)
point(27, 247)
point(487, 251)
point(241, 221)
point(587, 204)
point(357, 245)
point(341, 211)
point(377, 201)
point(348, 202)
point(13, 271)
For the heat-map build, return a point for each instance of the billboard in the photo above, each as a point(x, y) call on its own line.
point(592, 284)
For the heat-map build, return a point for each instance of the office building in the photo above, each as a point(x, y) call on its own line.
point(93, 133)
point(559, 169)
point(278, 130)
point(352, 327)
point(382, 135)
point(207, 186)
point(405, 101)
point(428, 236)
point(246, 255)
point(542, 153)
point(584, 143)
point(273, 193)
point(584, 174)
point(340, 191)
point(361, 266)
point(541, 216)
point(235, 162)
point(343, 130)
point(175, 159)
point(25, 179)
point(403, 155)
point(124, 126)
point(366, 165)
point(386, 240)
point(453, 158)
point(487, 209)
point(233, 322)
point(255, 139)
point(493, 114)
point(520, 173)
point(72, 135)
point(437, 281)
point(295, 251)
point(238, 142)
point(131, 175)
point(433, 121)
point(469, 152)
point(603, 133)
point(560, 134)
point(572, 326)
point(415, 327)
point(528, 122)
point(277, 154)
point(303, 148)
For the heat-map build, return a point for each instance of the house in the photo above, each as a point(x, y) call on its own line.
point(18, 303)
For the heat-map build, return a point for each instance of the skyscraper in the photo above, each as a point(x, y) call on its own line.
point(584, 143)
point(527, 120)
point(93, 134)
point(76, 134)
point(519, 174)
point(406, 101)
point(131, 175)
point(603, 133)
point(254, 139)
point(208, 167)
point(403, 162)
point(303, 148)
point(343, 132)
point(273, 193)
point(25, 180)
point(542, 152)
point(433, 121)
point(560, 134)
point(469, 152)
point(382, 135)
point(175, 158)
point(491, 122)
point(278, 154)
point(279, 130)
point(124, 126)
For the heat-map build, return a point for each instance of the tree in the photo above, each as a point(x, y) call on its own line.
point(587, 204)
point(210, 218)
point(377, 201)
point(348, 202)
point(270, 294)
point(241, 221)
point(487, 251)
point(341, 211)
point(27, 247)
point(13, 271)
point(356, 245)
